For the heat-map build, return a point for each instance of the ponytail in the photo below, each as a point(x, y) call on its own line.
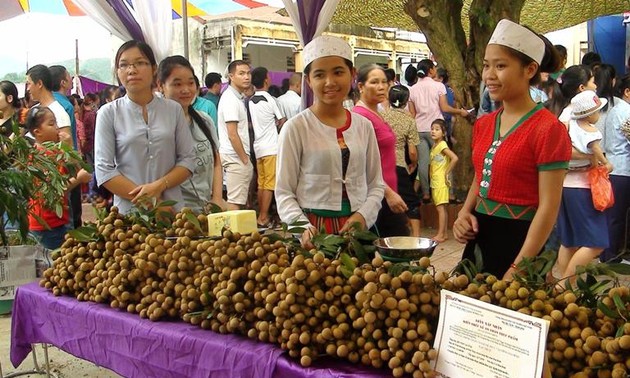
point(567, 86)
point(203, 126)
point(424, 66)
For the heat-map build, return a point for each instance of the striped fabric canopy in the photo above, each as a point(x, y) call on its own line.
point(13, 8)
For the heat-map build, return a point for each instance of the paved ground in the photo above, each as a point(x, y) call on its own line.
point(65, 365)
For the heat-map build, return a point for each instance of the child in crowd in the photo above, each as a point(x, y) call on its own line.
point(41, 123)
point(443, 159)
point(585, 137)
point(583, 230)
point(328, 167)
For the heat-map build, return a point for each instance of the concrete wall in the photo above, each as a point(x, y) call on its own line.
point(575, 39)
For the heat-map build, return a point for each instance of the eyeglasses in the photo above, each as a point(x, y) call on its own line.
point(137, 65)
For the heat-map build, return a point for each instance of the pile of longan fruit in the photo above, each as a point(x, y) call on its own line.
point(256, 285)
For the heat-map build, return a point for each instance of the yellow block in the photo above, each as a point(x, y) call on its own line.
point(241, 221)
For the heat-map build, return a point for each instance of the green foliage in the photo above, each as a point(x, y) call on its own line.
point(99, 69)
point(27, 172)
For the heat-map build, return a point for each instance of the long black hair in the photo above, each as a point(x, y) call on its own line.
point(604, 79)
point(164, 71)
point(567, 86)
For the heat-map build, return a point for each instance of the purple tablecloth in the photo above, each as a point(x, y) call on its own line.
point(135, 347)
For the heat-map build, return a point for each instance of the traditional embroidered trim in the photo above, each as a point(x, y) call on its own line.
point(503, 210)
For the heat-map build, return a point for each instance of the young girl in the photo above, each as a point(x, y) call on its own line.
point(41, 123)
point(328, 170)
point(443, 160)
point(520, 156)
point(404, 127)
point(176, 80)
point(583, 230)
point(143, 147)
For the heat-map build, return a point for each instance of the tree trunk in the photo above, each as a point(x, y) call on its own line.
point(441, 23)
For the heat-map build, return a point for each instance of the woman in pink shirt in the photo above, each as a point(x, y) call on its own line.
point(427, 101)
point(372, 84)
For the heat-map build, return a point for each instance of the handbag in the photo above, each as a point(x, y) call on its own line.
point(601, 189)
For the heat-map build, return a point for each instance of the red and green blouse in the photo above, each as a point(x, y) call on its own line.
point(507, 166)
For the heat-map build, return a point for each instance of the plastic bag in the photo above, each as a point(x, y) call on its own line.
point(601, 190)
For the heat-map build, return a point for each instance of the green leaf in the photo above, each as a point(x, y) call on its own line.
point(80, 236)
point(296, 230)
point(619, 268)
point(606, 310)
point(619, 303)
point(346, 272)
point(365, 235)
point(620, 332)
point(193, 219)
point(347, 262)
point(478, 259)
point(167, 203)
point(299, 223)
point(359, 252)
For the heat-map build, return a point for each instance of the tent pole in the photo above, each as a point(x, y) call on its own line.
point(76, 57)
point(185, 23)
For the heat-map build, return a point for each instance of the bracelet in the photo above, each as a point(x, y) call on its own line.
point(165, 182)
point(513, 266)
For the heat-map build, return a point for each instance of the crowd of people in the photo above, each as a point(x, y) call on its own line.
point(368, 151)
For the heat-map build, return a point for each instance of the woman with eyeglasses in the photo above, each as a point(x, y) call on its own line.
point(143, 145)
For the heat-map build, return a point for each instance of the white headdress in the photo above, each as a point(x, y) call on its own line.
point(324, 46)
point(511, 34)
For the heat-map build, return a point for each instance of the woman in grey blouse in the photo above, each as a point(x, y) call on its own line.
point(143, 146)
point(176, 81)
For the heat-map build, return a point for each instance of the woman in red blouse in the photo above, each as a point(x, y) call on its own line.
point(520, 156)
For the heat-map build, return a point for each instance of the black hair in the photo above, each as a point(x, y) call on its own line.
point(424, 66)
point(57, 74)
point(35, 117)
point(275, 91)
point(285, 86)
point(75, 99)
point(411, 75)
point(562, 52)
point(551, 61)
point(211, 79)
point(442, 124)
point(591, 57)
point(9, 89)
point(106, 93)
point(443, 73)
point(235, 63)
point(398, 96)
point(164, 71)
point(604, 76)
point(623, 83)
point(567, 86)
point(259, 75)
point(144, 48)
point(390, 74)
point(307, 69)
point(91, 98)
point(364, 71)
point(40, 72)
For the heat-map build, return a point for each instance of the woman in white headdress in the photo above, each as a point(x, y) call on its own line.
point(520, 156)
point(328, 168)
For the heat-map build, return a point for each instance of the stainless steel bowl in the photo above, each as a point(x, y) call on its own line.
point(405, 247)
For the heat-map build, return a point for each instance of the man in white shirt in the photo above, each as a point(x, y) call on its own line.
point(234, 135)
point(291, 103)
point(39, 86)
point(266, 120)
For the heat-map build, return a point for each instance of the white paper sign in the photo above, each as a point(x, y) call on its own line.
point(477, 339)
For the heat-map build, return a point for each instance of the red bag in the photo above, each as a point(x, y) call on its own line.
point(601, 190)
